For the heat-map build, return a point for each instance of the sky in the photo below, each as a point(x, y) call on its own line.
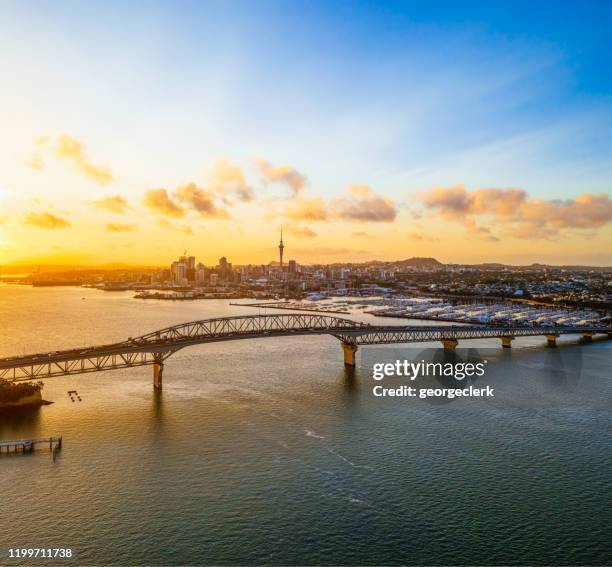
point(467, 131)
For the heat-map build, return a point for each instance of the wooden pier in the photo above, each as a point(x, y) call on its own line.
point(28, 445)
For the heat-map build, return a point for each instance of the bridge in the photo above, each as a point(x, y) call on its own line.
point(154, 348)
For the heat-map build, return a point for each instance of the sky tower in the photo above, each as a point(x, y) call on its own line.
point(281, 247)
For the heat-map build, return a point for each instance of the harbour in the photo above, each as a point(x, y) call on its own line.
point(279, 425)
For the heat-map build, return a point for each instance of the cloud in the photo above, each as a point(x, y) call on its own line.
point(282, 173)
point(300, 232)
point(71, 149)
point(422, 237)
point(362, 234)
point(159, 201)
point(201, 200)
point(36, 161)
point(3, 219)
point(119, 227)
point(165, 223)
point(456, 202)
point(515, 213)
point(113, 204)
point(361, 204)
point(45, 220)
point(228, 180)
point(330, 251)
point(307, 208)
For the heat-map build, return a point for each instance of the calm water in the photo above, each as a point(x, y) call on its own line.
point(269, 451)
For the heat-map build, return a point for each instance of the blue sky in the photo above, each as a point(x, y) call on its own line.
point(401, 96)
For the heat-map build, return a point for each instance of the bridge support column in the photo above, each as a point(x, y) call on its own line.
point(587, 336)
point(551, 340)
point(507, 341)
point(449, 344)
point(349, 351)
point(158, 371)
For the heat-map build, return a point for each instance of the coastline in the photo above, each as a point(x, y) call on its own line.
point(31, 400)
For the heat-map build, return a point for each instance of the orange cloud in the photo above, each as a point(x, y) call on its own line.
point(159, 201)
point(201, 200)
point(71, 149)
point(119, 227)
point(165, 223)
point(361, 204)
point(421, 237)
point(283, 174)
point(300, 232)
point(228, 179)
point(45, 220)
point(522, 217)
point(113, 204)
point(307, 208)
point(362, 234)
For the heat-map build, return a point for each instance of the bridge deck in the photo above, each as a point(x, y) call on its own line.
point(155, 347)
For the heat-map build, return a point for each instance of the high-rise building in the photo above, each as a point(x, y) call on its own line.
point(224, 268)
point(281, 248)
point(292, 267)
point(179, 272)
point(200, 273)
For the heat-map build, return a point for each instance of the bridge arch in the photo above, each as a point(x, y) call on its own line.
point(252, 324)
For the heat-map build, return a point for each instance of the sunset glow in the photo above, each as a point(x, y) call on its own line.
point(360, 136)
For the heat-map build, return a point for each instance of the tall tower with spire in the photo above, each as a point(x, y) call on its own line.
point(281, 248)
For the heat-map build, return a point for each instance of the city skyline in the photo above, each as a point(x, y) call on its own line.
point(131, 139)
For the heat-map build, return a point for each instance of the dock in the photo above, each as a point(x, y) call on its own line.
point(28, 445)
point(291, 307)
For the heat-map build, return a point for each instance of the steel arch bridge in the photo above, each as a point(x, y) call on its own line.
point(154, 348)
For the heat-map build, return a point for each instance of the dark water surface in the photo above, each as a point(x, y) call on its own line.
point(269, 451)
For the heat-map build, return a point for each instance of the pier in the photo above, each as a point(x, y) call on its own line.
point(291, 306)
point(28, 445)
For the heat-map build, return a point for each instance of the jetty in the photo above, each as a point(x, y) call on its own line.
point(28, 445)
point(291, 306)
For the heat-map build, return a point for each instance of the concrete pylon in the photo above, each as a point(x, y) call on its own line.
point(506, 341)
point(349, 350)
point(551, 340)
point(158, 371)
point(449, 344)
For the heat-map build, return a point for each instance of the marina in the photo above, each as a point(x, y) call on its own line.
point(294, 306)
point(443, 310)
point(483, 313)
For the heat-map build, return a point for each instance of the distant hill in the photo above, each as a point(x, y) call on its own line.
point(420, 263)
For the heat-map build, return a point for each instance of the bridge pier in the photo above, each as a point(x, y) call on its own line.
point(349, 350)
point(551, 341)
point(506, 341)
point(158, 371)
point(449, 344)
